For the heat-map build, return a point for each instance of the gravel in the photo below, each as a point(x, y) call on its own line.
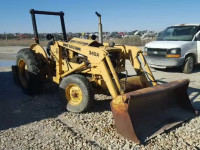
point(92, 130)
point(45, 134)
point(38, 122)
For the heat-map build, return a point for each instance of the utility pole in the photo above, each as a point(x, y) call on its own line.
point(6, 38)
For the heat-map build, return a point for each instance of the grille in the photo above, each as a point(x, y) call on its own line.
point(156, 52)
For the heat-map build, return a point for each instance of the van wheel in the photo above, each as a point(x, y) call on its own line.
point(188, 65)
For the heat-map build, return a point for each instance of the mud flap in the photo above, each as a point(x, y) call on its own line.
point(140, 115)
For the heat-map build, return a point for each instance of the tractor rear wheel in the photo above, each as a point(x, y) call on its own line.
point(76, 93)
point(28, 71)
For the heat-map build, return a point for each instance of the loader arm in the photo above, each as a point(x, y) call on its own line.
point(136, 57)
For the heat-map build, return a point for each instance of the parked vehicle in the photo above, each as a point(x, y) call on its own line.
point(176, 46)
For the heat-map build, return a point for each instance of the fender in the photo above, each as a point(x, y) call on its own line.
point(39, 50)
point(191, 54)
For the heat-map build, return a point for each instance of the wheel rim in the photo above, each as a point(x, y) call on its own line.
point(73, 94)
point(23, 72)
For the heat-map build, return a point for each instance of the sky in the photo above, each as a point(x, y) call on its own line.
point(117, 15)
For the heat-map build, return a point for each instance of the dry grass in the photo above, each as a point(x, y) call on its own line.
point(134, 40)
point(20, 42)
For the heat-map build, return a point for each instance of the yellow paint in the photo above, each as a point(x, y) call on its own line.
point(38, 50)
point(96, 63)
point(73, 94)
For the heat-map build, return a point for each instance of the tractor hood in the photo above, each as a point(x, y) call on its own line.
point(84, 42)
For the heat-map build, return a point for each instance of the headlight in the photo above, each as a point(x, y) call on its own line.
point(145, 51)
point(175, 52)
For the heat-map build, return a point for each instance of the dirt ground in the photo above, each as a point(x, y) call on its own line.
point(17, 109)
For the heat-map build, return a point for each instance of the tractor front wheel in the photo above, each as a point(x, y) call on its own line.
point(76, 93)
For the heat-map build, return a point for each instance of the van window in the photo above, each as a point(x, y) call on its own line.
point(178, 33)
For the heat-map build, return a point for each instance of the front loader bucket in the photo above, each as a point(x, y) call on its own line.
point(142, 114)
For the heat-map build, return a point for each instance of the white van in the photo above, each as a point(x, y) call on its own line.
point(176, 46)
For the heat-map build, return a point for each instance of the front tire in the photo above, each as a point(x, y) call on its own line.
point(76, 93)
point(188, 65)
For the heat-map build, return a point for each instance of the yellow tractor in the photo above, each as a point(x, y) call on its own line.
point(141, 108)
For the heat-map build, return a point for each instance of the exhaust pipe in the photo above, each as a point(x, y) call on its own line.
point(100, 28)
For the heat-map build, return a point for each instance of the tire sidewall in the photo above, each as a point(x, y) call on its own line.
point(28, 62)
point(186, 68)
point(85, 103)
point(33, 81)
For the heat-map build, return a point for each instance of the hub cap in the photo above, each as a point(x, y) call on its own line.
point(73, 94)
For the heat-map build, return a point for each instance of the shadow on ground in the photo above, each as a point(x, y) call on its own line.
point(196, 69)
point(17, 108)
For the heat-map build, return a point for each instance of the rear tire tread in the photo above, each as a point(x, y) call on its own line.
point(34, 83)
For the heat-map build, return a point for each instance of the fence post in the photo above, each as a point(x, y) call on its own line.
point(6, 38)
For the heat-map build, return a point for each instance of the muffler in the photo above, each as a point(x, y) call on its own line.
point(142, 114)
